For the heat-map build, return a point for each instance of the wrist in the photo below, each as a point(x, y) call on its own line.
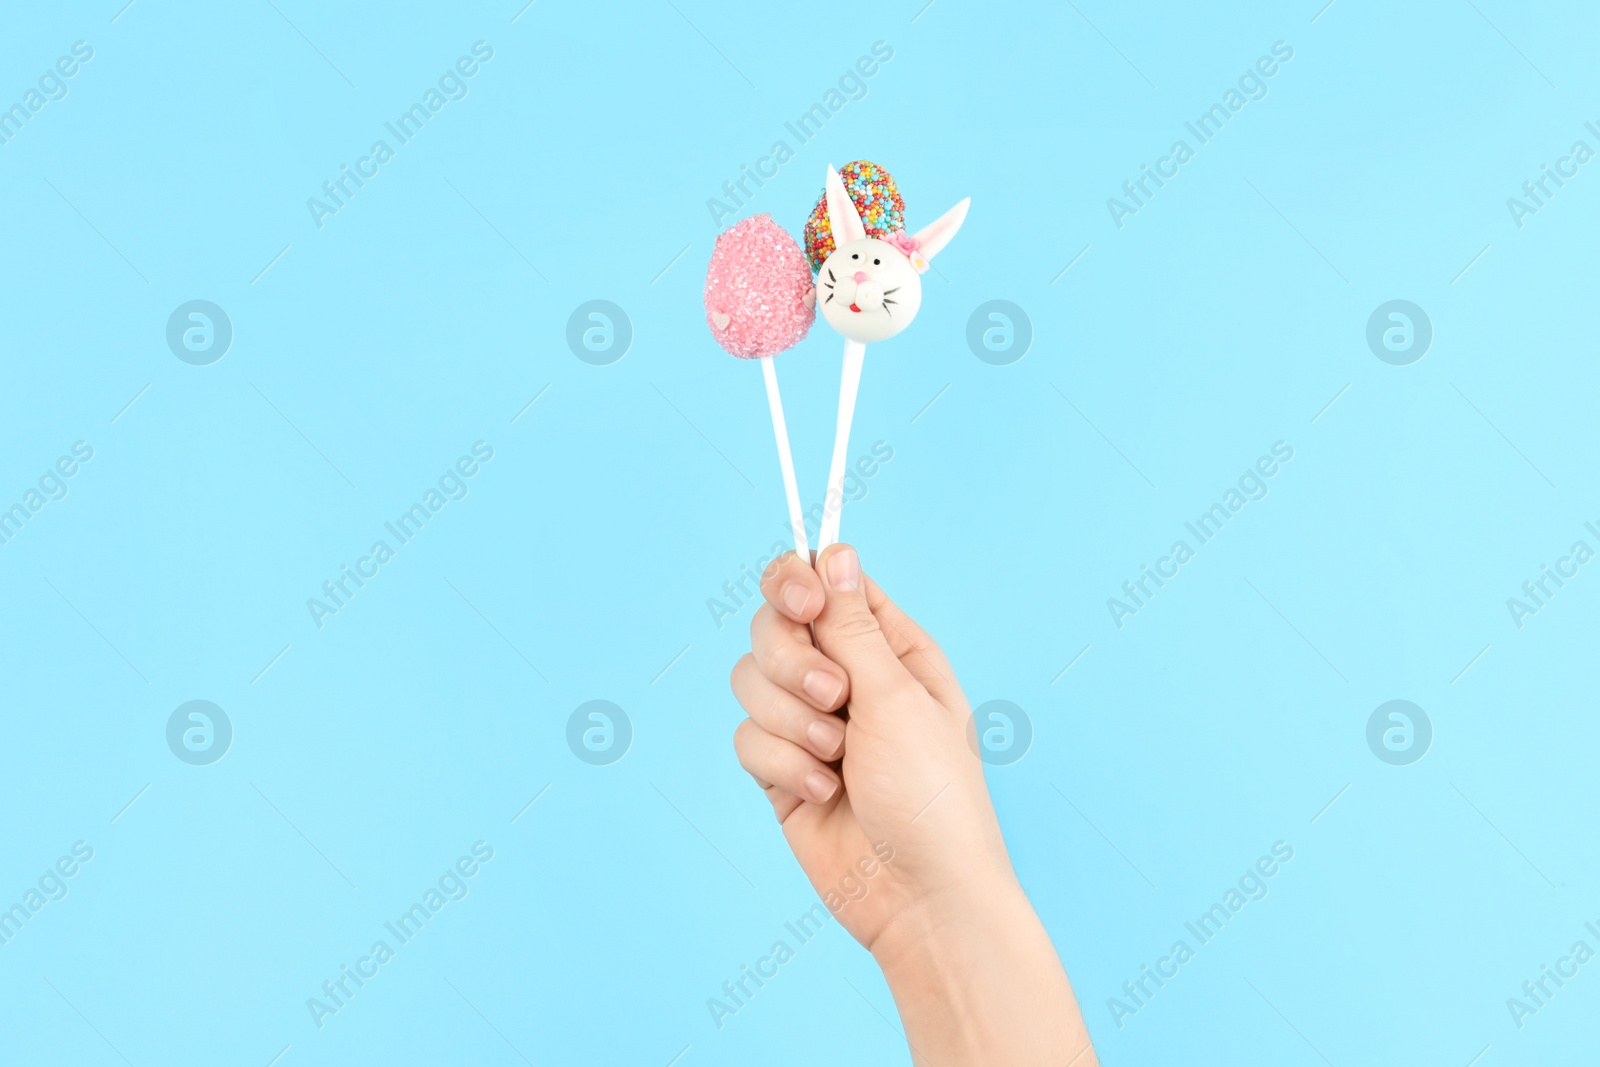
point(940, 926)
point(977, 981)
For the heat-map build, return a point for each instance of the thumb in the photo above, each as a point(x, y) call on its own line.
point(848, 632)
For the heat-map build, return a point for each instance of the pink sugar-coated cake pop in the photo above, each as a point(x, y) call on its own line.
point(760, 297)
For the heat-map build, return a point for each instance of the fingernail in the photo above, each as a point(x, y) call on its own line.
point(825, 735)
point(844, 570)
point(822, 688)
point(820, 786)
point(795, 598)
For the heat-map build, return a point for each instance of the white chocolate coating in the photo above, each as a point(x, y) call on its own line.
point(868, 290)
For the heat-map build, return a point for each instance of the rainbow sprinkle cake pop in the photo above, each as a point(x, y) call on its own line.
point(876, 200)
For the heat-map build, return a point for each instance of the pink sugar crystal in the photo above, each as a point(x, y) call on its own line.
point(760, 298)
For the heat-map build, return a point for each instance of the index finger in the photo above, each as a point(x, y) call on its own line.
point(793, 588)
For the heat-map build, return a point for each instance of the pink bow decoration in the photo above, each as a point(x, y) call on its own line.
point(908, 246)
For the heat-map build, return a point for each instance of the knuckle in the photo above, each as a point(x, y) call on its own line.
point(906, 691)
point(769, 576)
point(783, 661)
point(773, 708)
point(759, 620)
point(926, 649)
point(742, 738)
point(741, 672)
point(857, 625)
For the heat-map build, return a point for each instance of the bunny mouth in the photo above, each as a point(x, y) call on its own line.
point(886, 302)
point(855, 307)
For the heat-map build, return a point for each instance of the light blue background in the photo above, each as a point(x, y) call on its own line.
point(423, 317)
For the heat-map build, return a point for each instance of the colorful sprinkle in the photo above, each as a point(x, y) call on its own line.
point(877, 201)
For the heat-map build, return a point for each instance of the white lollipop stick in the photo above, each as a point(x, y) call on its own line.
point(855, 354)
point(780, 430)
point(760, 300)
point(869, 289)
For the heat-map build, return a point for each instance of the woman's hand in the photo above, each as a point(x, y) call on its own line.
point(912, 788)
point(889, 815)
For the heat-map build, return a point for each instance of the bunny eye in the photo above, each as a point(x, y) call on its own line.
point(855, 255)
point(877, 262)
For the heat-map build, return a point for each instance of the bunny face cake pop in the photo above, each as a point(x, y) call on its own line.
point(869, 286)
point(870, 290)
point(869, 283)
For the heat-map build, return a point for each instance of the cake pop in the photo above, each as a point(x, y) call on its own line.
point(869, 287)
point(760, 301)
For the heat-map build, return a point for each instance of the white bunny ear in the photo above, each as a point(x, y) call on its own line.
point(936, 234)
point(842, 217)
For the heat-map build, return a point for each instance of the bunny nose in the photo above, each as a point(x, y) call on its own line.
point(860, 277)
